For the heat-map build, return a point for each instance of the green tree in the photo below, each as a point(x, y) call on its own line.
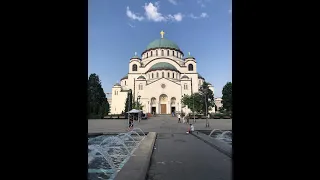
point(107, 107)
point(194, 102)
point(227, 97)
point(137, 105)
point(97, 101)
point(129, 102)
point(207, 98)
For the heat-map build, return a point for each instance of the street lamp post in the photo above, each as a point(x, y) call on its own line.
point(129, 108)
point(138, 106)
point(194, 118)
point(205, 100)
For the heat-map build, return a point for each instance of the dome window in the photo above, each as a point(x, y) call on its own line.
point(190, 67)
point(134, 67)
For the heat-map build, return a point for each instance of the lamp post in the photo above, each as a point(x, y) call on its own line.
point(205, 100)
point(194, 118)
point(138, 106)
point(129, 102)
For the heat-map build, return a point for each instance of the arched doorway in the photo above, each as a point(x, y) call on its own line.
point(163, 103)
point(153, 105)
point(173, 105)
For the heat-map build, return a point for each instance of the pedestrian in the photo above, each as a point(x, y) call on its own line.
point(179, 121)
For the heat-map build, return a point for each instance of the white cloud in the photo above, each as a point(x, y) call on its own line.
point(133, 16)
point(177, 17)
point(131, 25)
point(174, 2)
point(202, 3)
point(202, 15)
point(152, 13)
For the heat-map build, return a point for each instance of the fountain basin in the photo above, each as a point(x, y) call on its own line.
point(220, 145)
point(108, 153)
point(137, 166)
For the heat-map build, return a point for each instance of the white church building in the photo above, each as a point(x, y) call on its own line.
point(159, 78)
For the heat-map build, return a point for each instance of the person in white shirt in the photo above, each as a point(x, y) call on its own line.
point(179, 121)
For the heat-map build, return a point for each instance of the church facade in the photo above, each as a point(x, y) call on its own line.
point(158, 79)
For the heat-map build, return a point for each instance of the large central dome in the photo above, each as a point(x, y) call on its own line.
point(162, 43)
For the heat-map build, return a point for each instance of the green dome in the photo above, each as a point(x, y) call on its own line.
point(162, 66)
point(141, 77)
point(125, 77)
point(189, 57)
point(200, 77)
point(135, 57)
point(162, 43)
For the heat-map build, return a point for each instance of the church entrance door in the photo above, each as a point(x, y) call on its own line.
point(163, 109)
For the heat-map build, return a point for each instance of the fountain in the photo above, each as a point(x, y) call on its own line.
point(107, 154)
point(225, 136)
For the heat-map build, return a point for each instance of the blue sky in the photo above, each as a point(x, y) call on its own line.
point(119, 28)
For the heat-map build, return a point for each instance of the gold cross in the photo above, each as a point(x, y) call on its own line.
point(162, 33)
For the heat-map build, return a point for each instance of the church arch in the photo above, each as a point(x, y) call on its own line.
point(190, 67)
point(134, 67)
point(153, 101)
point(173, 101)
point(169, 60)
point(163, 98)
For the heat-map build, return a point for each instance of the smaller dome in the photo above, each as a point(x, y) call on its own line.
point(135, 57)
point(200, 77)
point(117, 84)
point(141, 77)
point(184, 76)
point(125, 77)
point(162, 66)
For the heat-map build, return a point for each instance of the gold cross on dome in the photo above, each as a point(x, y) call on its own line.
point(162, 33)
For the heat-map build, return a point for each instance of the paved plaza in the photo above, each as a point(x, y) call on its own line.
point(159, 124)
point(177, 155)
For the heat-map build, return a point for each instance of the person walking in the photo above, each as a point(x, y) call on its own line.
point(179, 121)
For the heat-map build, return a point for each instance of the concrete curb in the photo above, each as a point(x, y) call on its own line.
point(138, 165)
point(220, 146)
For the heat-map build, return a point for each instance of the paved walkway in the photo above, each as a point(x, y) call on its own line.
point(157, 124)
point(177, 155)
point(183, 156)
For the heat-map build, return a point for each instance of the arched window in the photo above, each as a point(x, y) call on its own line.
point(168, 53)
point(156, 52)
point(168, 75)
point(190, 67)
point(162, 54)
point(134, 67)
point(157, 75)
point(140, 87)
point(152, 75)
point(125, 83)
point(172, 53)
point(151, 54)
point(172, 75)
point(177, 55)
point(163, 74)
